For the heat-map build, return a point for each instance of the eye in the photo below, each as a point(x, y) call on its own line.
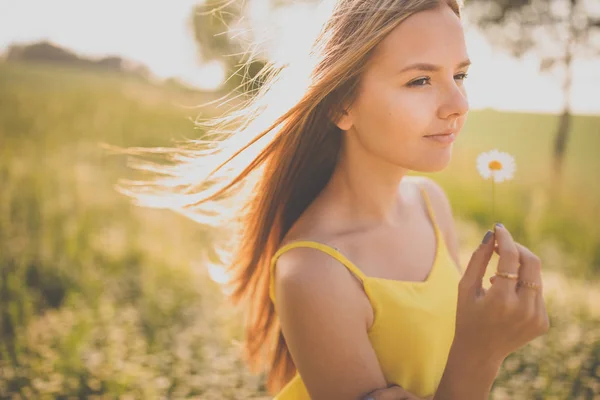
point(419, 82)
point(426, 81)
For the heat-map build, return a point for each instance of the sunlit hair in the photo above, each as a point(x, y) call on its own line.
point(258, 167)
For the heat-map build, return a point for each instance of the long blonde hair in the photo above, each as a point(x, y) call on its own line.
point(259, 166)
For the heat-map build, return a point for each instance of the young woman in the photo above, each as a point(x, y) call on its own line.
point(349, 267)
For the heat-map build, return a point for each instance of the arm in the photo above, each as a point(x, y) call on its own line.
point(319, 306)
point(466, 376)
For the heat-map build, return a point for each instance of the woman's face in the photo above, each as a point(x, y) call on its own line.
point(413, 87)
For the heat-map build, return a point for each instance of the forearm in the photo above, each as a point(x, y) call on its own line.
point(467, 377)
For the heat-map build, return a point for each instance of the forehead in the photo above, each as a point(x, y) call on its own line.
point(434, 36)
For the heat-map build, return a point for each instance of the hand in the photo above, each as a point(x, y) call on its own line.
point(494, 323)
point(394, 392)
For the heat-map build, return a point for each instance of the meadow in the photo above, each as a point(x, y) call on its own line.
point(102, 299)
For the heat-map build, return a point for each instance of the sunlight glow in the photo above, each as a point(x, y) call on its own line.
point(158, 34)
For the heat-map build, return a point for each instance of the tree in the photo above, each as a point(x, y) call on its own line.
point(222, 35)
point(559, 31)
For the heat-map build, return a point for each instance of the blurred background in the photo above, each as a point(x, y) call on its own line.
point(99, 298)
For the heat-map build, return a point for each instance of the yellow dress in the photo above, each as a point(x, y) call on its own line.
point(414, 321)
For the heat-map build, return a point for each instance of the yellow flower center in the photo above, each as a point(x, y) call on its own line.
point(495, 165)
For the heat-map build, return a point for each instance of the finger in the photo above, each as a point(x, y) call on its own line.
point(520, 260)
point(509, 259)
point(530, 271)
point(390, 393)
point(401, 394)
point(475, 271)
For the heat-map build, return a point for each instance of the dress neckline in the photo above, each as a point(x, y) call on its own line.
point(439, 243)
point(432, 271)
point(336, 253)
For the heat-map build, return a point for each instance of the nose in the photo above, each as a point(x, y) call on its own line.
point(454, 102)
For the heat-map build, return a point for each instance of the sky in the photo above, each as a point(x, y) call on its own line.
point(158, 34)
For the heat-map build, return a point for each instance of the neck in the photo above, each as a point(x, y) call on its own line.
point(367, 187)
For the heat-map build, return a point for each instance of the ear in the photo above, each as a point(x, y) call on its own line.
point(344, 120)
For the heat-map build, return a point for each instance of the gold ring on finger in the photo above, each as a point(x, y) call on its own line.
point(532, 285)
point(507, 275)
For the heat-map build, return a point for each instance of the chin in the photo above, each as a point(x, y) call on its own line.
point(434, 168)
point(433, 164)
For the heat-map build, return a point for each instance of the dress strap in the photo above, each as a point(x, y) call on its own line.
point(332, 251)
point(429, 207)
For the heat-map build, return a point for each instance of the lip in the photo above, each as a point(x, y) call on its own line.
point(443, 137)
point(447, 132)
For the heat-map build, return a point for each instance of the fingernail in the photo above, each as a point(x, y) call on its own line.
point(487, 237)
point(499, 225)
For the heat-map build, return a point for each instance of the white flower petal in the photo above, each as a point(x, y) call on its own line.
point(506, 160)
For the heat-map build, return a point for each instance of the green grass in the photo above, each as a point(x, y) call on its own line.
point(98, 297)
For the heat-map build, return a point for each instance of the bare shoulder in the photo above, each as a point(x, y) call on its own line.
point(443, 212)
point(324, 328)
point(303, 274)
point(437, 195)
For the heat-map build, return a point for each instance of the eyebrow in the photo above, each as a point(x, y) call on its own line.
point(431, 67)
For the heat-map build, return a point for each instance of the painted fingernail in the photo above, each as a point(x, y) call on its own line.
point(500, 225)
point(487, 237)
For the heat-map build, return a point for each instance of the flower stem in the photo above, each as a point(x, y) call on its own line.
point(493, 198)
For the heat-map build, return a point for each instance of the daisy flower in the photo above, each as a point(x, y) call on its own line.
point(496, 165)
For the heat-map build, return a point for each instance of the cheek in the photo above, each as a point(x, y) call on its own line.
point(395, 115)
point(411, 112)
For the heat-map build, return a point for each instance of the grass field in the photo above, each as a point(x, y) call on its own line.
point(101, 298)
